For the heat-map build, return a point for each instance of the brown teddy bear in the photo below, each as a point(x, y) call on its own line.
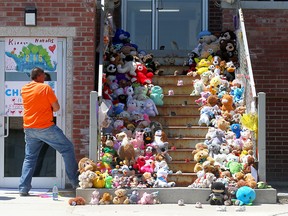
point(106, 199)
point(77, 201)
point(121, 197)
point(200, 156)
point(227, 103)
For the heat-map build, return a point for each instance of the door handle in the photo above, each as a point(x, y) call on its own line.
point(7, 127)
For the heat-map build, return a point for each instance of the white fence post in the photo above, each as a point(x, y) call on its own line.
point(262, 136)
point(93, 126)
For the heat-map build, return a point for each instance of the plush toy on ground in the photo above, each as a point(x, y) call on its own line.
point(77, 201)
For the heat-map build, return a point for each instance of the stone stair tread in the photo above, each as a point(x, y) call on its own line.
point(182, 127)
point(183, 174)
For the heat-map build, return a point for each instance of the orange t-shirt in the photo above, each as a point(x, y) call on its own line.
point(37, 101)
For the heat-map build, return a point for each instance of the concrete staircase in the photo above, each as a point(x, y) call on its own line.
point(179, 117)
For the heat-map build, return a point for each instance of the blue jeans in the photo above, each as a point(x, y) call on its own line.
point(54, 137)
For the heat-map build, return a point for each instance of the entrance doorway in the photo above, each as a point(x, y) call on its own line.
point(50, 167)
point(164, 24)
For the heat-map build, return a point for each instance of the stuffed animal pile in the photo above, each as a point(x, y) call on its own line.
point(135, 149)
point(228, 149)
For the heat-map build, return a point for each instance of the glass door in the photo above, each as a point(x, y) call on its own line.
point(12, 144)
point(164, 24)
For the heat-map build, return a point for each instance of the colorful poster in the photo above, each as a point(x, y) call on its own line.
point(23, 54)
point(13, 99)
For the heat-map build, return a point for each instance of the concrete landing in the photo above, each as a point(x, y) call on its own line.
point(189, 195)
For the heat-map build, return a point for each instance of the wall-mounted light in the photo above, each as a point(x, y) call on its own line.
point(30, 17)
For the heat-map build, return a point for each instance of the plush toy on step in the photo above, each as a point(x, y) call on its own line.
point(157, 95)
point(161, 180)
point(218, 194)
point(245, 196)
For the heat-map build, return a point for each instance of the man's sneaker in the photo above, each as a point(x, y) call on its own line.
point(23, 193)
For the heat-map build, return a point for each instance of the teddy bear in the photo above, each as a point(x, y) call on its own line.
point(161, 179)
point(157, 95)
point(209, 50)
point(204, 180)
point(200, 156)
point(160, 162)
point(134, 197)
point(86, 164)
point(86, 179)
point(227, 103)
point(128, 68)
point(206, 115)
point(143, 76)
point(227, 35)
point(203, 99)
point(95, 197)
point(198, 86)
point(228, 50)
point(229, 71)
point(151, 64)
point(149, 198)
point(148, 179)
point(214, 84)
point(150, 108)
point(77, 201)
point(106, 198)
point(120, 36)
point(161, 145)
point(121, 196)
point(191, 62)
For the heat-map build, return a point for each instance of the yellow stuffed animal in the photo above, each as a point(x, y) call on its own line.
point(99, 181)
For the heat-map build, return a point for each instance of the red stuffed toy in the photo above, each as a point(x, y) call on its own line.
point(143, 75)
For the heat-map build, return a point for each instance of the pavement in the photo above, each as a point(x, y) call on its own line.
point(40, 202)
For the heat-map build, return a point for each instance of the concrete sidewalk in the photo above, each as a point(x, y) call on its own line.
point(40, 203)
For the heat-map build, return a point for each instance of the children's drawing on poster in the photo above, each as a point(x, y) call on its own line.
point(13, 98)
point(23, 54)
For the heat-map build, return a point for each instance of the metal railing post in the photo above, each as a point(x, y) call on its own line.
point(262, 136)
point(93, 126)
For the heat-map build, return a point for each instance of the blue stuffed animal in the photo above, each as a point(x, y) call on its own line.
point(157, 95)
point(245, 196)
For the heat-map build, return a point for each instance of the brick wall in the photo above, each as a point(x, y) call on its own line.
point(69, 13)
point(215, 17)
point(268, 42)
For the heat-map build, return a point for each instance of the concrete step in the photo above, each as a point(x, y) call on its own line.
point(178, 109)
point(184, 142)
point(179, 120)
point(171, 69)
point(177, 131)
point(183, 166)
point(178, 90)
point(181, 155)
point(180, 100)
point(189, 195)
point(173, 80)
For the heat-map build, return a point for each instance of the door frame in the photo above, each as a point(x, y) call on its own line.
point(155, 27)
point(37, 182)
